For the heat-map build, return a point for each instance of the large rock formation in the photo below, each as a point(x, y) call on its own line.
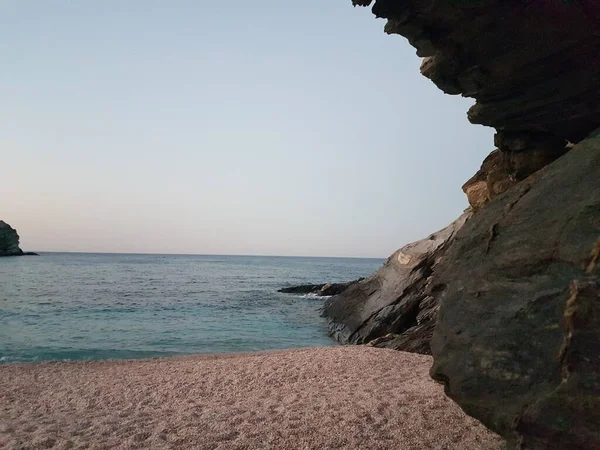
point(517, 341)
point(531, 66)
point(395, 307)
point(518, 337)
point(9, 241)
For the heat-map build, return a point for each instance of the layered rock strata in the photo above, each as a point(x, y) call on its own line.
point(532, 68)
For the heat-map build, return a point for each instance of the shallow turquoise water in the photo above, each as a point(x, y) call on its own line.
point(94, 306)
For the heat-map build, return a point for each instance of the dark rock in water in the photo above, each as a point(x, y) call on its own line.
point(396, 300)
point(518, 337)
point(30, 254)
point(302, 289)
point(9, 240)
point(325, 289)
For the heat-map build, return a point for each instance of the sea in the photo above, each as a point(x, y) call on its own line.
point(86, 306)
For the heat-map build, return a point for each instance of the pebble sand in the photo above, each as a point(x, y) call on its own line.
point(319, 398)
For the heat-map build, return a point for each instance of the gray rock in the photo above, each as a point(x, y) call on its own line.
point(396, 299)
point(324, 289)
point(518, 338)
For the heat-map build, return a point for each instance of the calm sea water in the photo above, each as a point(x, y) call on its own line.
point(94, 306)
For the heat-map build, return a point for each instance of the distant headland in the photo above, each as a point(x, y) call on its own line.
point(9, 241)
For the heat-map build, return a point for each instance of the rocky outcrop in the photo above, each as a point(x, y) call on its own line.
point(518, 337)
point(491, 179)
point(532, 66)
point(9, 241)
point(321, 290)
point(396, 301)
point(505, 167)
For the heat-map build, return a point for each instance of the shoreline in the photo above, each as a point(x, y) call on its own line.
point(198, 356)
point(343, 397)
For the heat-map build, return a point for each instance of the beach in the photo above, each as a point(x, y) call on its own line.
point(319, 398)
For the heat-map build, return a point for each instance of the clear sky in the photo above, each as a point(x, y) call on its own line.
point(229, 127)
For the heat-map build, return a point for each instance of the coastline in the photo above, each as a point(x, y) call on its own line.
point(309, 398)
point(192, 356)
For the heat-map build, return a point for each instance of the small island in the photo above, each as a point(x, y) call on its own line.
point(9, 241)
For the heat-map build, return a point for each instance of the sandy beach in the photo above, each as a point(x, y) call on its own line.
point(320, 398)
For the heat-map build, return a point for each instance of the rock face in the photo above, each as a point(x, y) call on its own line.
point(502, 169)
point(518, 337)
point(489, 181)
point(517, 340)
point(9, 240)
point(325, 289)
point(396, 302)
point(532, 66)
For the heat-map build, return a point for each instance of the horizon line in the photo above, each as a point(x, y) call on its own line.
point(204, 254)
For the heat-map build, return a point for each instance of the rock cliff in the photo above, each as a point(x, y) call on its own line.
point(9, 241)
point(518, 337)
point(531, 66)
point(516, 340)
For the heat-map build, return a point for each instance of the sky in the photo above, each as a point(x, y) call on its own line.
point(223, 127)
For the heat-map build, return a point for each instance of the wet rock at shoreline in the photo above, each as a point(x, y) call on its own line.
point(324, 289)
